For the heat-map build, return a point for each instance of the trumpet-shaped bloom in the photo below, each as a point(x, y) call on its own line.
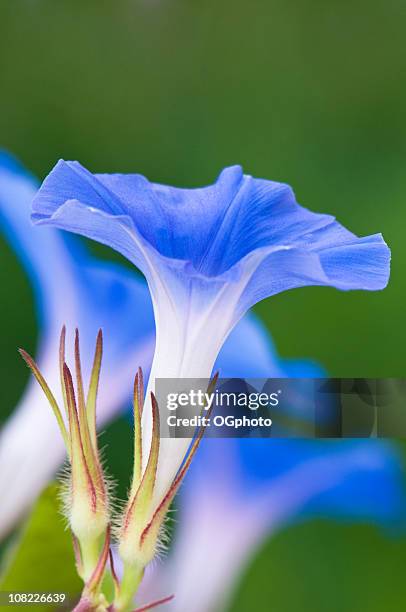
point(208, 254)
point(241, 491)
point(71, 288)
point(75, 289)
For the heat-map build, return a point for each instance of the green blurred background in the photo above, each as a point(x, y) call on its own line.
point(308, 92)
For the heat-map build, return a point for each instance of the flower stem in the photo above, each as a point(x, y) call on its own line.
point(90, 551)
point(132, 576)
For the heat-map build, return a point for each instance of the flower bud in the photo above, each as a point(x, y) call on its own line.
point(86, 498)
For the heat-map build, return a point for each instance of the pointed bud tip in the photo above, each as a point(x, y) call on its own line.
point(67, 375)
point(66, 369)
point(99, 341)
point(27, 358)
point(99, 338)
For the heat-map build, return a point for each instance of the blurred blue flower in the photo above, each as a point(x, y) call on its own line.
point(240, 491)
point(208, 254)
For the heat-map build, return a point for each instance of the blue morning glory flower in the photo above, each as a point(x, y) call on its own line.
point(75, 289)
point(208, 254)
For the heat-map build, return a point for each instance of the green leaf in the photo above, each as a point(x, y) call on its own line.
point(41, 558)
